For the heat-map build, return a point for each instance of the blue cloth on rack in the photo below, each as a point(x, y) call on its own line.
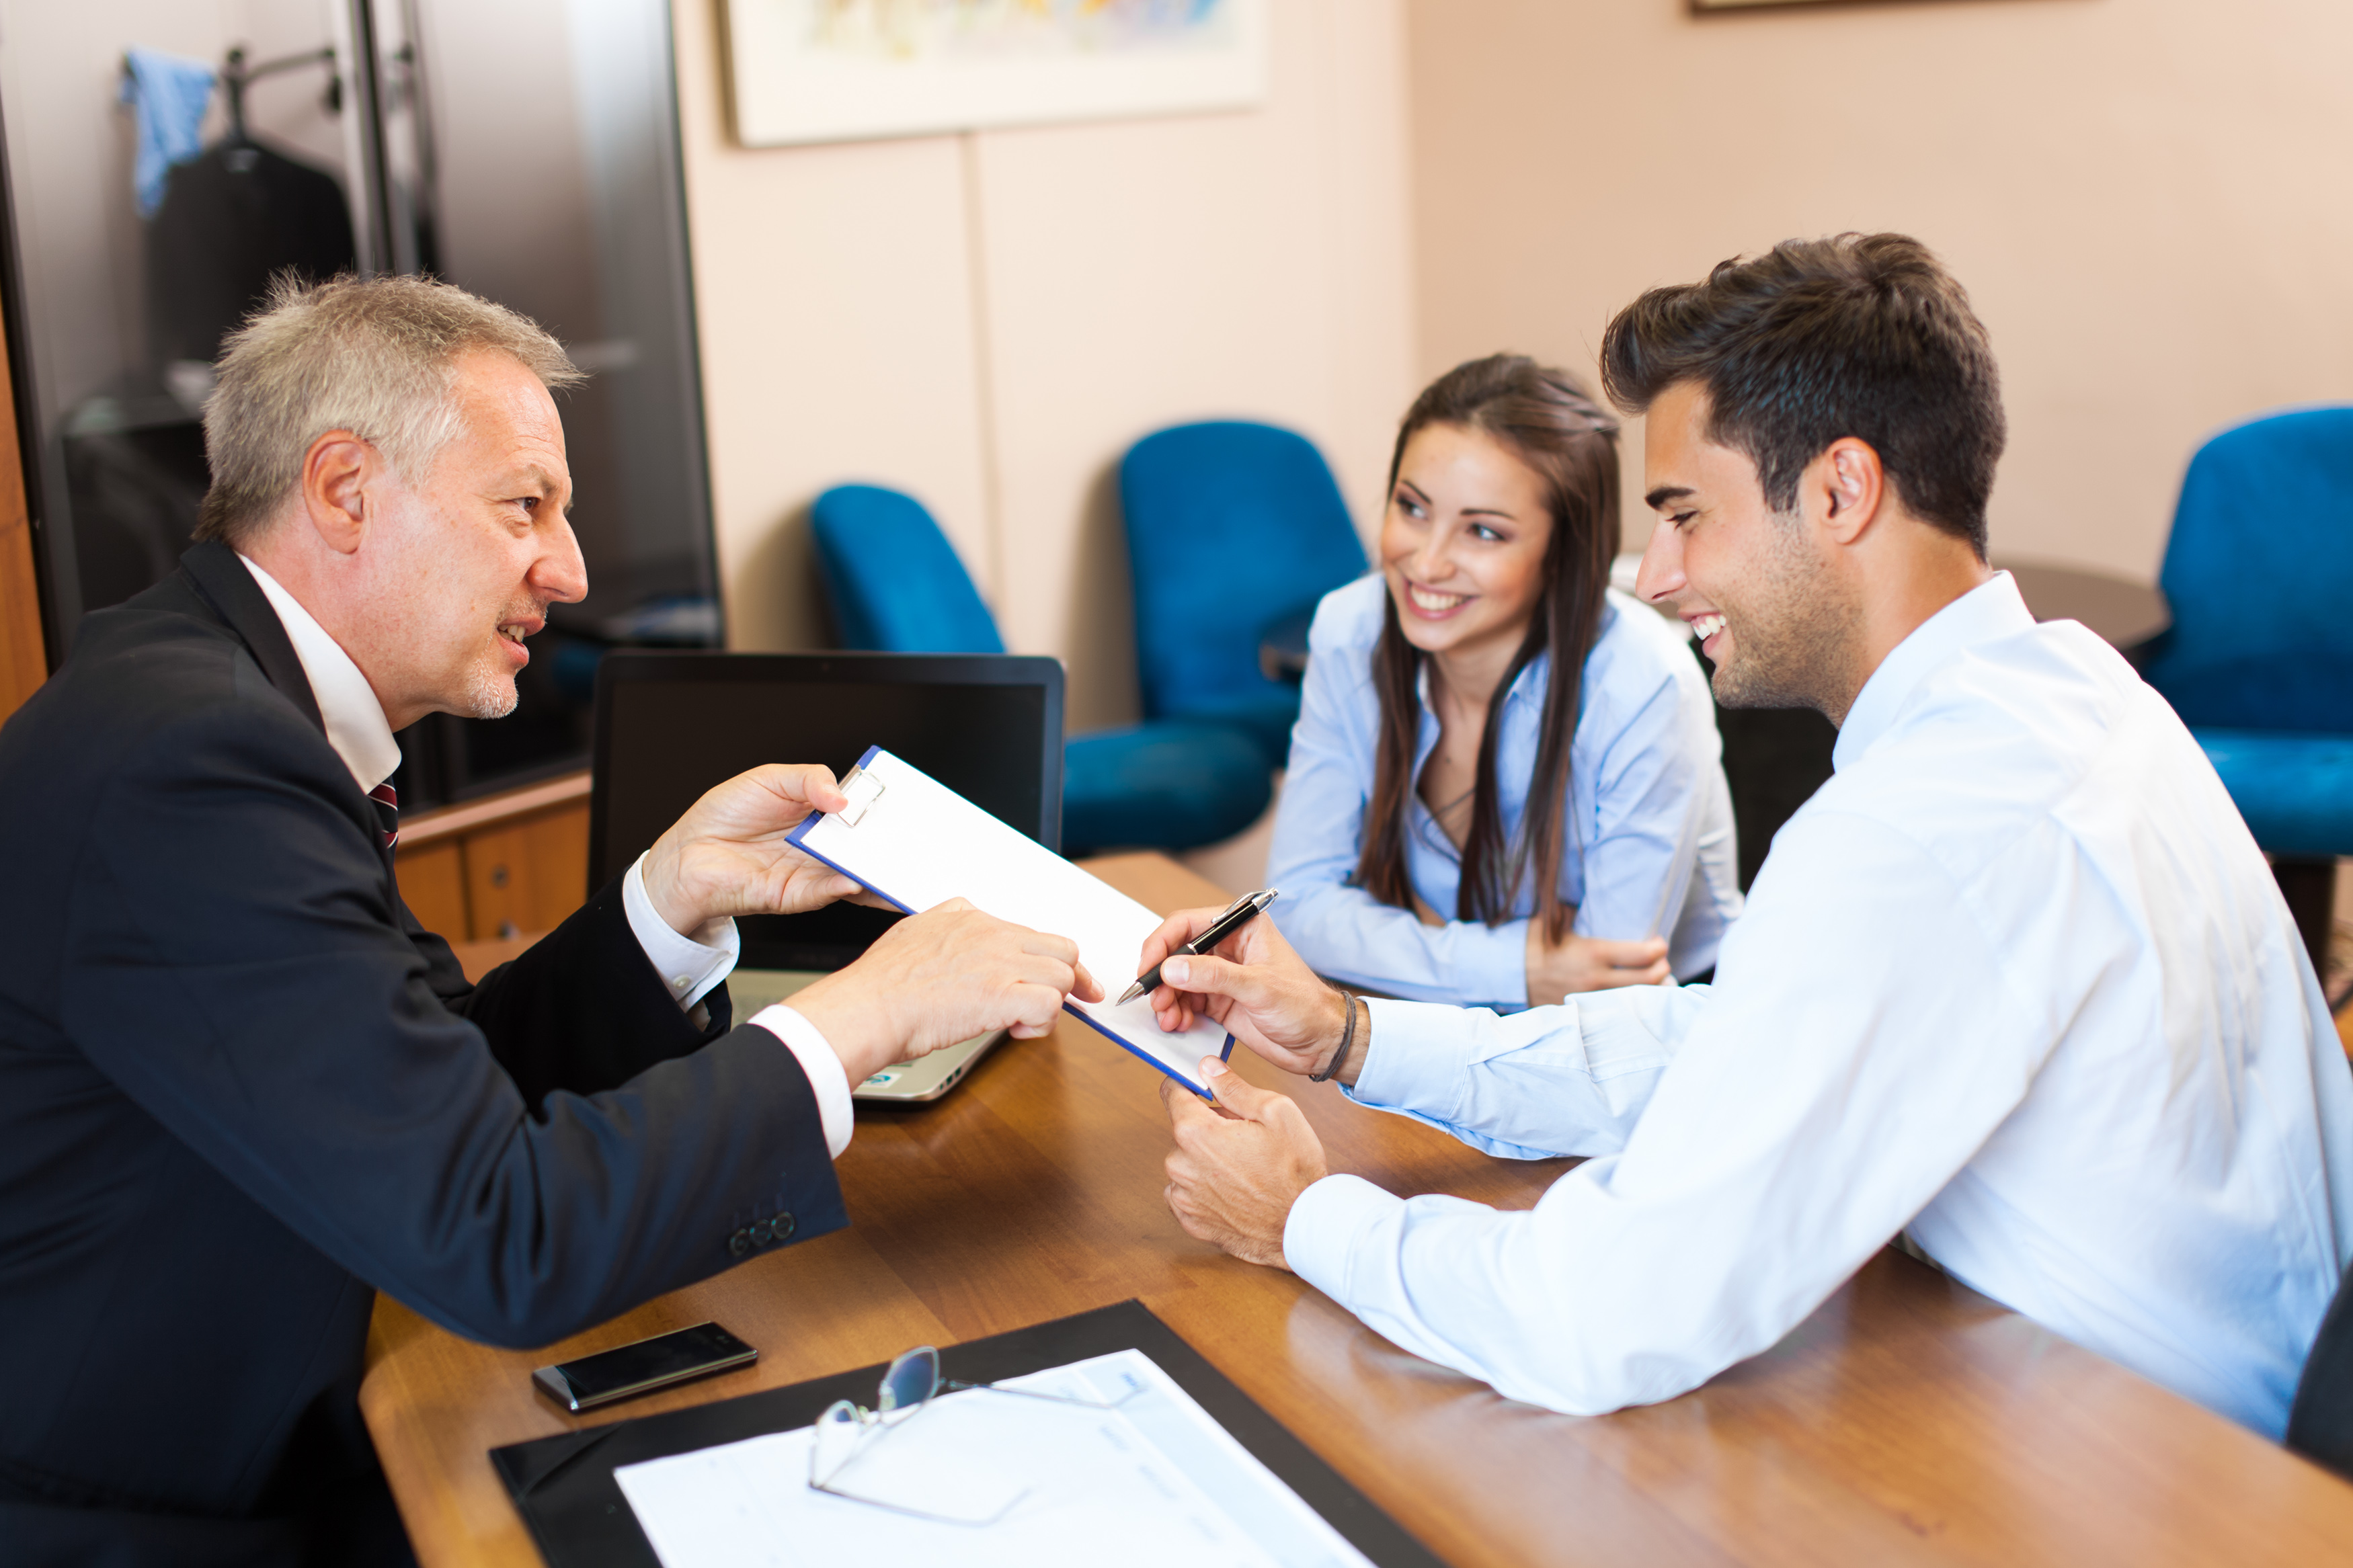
point(169, 94)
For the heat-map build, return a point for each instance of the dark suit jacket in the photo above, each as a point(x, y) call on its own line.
point(241, 1092)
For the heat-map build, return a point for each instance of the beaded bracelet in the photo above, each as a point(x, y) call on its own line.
point(1347, 1038)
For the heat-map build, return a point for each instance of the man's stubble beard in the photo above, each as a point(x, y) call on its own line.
point(1792, 635)
point(491, 691)
point(490, 695)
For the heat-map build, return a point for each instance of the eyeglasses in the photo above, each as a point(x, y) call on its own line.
point(848, 1433)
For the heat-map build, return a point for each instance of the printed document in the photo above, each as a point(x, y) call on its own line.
point(918, 843)
point(1152, 1482)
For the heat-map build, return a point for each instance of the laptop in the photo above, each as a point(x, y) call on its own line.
point(672, 724)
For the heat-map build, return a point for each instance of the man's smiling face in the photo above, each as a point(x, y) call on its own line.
point(1750, 582)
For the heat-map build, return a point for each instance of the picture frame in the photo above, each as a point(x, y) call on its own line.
point(804, 71)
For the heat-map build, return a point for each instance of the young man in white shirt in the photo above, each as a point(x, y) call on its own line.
point(2016, 983)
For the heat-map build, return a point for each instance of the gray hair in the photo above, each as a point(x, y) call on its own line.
point(376, 356)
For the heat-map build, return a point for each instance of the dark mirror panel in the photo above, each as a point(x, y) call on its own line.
point(988, 726)
point(384, 134)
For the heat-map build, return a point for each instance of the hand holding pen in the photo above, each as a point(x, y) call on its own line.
point(1238, 914)
point(1254, 985)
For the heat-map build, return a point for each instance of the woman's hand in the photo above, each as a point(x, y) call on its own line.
point(1591, 963)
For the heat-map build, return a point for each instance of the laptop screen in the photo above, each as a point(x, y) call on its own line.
point(669, 725)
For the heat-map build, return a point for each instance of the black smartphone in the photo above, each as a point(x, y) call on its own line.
point(626, 1371)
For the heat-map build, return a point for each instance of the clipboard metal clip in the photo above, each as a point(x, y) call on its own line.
point(863, 790)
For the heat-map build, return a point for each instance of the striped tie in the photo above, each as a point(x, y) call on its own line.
point(387, 811)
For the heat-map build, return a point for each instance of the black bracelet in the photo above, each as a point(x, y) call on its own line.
point(1347, 1038)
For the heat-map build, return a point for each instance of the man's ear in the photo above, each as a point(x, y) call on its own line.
point(339, 473)
point(1851, 482)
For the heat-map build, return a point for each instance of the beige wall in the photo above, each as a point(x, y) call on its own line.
point(987, 321)
point(2148, 199)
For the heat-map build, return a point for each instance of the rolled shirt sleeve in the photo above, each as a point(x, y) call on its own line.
point(1566, 1079)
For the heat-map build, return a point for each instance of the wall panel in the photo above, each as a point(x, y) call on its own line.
point(988, 320)
point(833, 289)
point(2145, 198)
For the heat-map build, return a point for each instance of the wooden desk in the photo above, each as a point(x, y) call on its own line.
point(1909, 1420)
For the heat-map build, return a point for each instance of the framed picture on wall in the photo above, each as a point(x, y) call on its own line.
point(848, 70)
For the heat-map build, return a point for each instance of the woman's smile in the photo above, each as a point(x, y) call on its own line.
point(1430, 605)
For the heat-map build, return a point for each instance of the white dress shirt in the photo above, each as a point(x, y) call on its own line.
point(1647, 848)
point(2016, 979)
point(362, 736)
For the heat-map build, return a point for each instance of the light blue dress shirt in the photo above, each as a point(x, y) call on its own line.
point(2016, 981)
point(1647, 847)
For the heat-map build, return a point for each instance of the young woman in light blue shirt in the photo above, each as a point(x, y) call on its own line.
point(1458, 824)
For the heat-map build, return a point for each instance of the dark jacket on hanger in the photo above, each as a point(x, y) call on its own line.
point(231, 216)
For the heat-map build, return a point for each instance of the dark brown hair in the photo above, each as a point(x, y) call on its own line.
point(1543, 417)
point(1861, 334)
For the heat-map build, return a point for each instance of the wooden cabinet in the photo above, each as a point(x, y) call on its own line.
point(527, 877)
point(433, 882)
point(506, 865)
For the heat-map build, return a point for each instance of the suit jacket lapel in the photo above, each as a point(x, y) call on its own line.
point(225, 585)
point(222, 581)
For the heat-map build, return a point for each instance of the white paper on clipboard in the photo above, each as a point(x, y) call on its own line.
point(918, 844)
point(1153, 1483)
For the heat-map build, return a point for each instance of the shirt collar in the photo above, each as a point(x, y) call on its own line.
point(1992, 609)
point(355, 723)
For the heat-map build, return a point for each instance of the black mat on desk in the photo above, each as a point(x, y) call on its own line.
point(564, 1486)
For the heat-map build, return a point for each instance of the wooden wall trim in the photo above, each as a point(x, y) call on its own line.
point(24, 660)
point(509, 806)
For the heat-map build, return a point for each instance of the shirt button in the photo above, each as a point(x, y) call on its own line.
point(679, 981)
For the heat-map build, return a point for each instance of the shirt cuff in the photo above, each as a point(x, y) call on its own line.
point(1325, 1221)
point(690, 966)
point(820, 1066)
point(1414, 1059)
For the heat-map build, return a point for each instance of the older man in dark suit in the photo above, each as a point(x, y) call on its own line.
point(241, 1091)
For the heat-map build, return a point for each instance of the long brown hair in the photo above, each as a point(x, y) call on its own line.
point(1543, 417)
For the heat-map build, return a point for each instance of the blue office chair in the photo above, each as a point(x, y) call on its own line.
point(1231, 527)
point(896, 586)
point(2260, 555)
point(895, 582)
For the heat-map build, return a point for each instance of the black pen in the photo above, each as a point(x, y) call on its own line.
point(1238, 913)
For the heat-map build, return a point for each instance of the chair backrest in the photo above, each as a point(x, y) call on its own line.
point(893, 579)
point(1230, 527)
point(2262, 540)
